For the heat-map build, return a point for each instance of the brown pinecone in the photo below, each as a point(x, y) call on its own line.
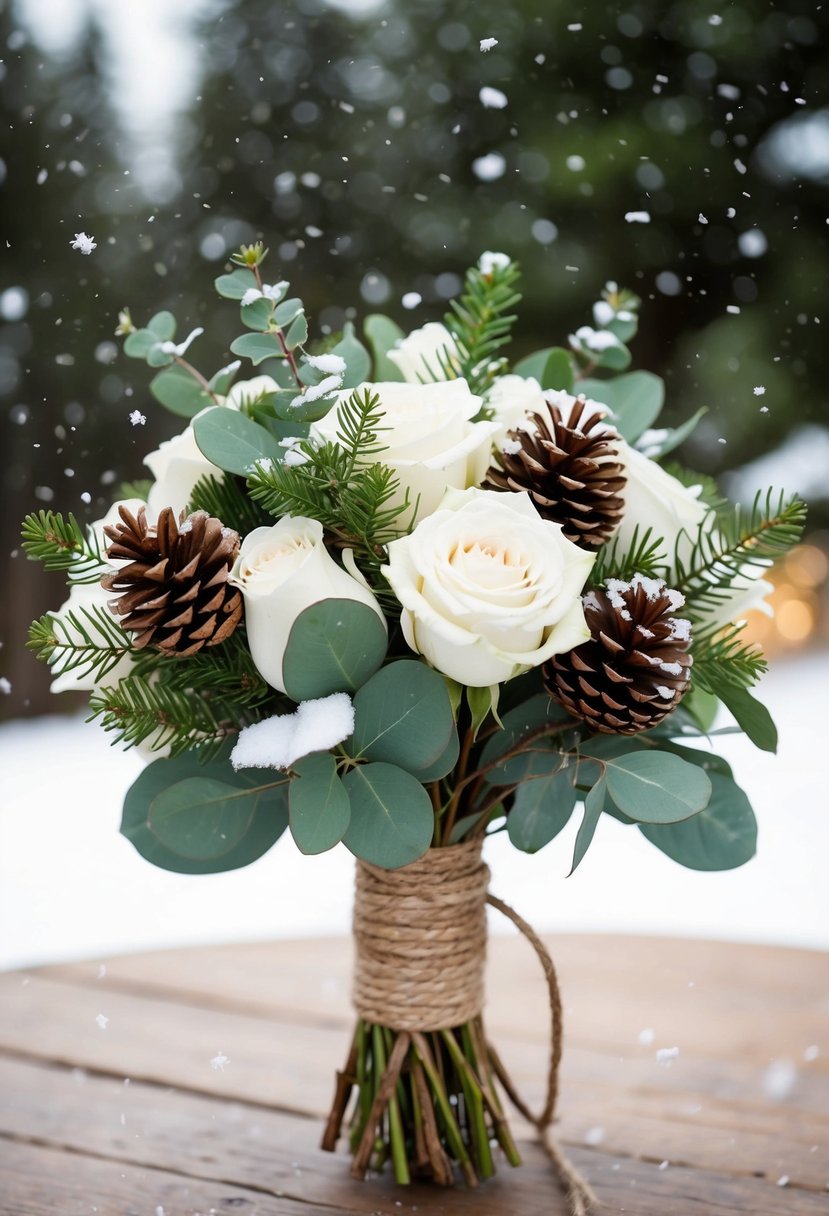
point(173, 592)
point(570, 468)
point(635, 669)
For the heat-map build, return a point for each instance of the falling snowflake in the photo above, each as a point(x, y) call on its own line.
point(492, 99)
point(5, 686)
point(137, 418)
point(83, 242)
point(218, 1062)
point(487, 44)
point(637, 217)
point(667, 1055)
point(102, 1020)
point(759, 389)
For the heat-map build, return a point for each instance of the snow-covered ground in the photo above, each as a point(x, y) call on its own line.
point(72, 887)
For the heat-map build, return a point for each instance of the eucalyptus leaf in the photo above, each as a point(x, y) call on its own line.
point(392, 820)
point(319, 806)
point(519, 722)
point(403, 716)
point(594, 804)
point(156, 357)
point(223, 379)
point(553, 364)
point(335, 645)
point(614, 358)
point(257, 347)
point(636, 400)
point(673, 438)
point(137, 345)
point(357, 358)
point(623, 328)
point(297, 332)
point(234, 285)
point(257, 314)
point(223, 821)
point(163, 325)
point(176, 389)
point(656, 786)
point(541, 808)
point(234, 442)
point(750, 714)
point(721, 837)
point(288, 311)
point(382, 335)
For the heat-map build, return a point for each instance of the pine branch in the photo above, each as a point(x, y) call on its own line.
point(137, 709)
point(87, 641)
point(225, 499)
point(722, 657)
point(63, 544)
point(225, 675)
point(734, 546)
point(481, 322)
point(644, 555)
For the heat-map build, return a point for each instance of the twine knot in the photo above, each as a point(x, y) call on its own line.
point(420, 933)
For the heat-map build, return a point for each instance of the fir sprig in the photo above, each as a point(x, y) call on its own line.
point(645, 554)
point(481, 322)
point(350, 497)
point(737, 544)
point(225, 674)
point(136, 710)
point(63, 544)
point(723, 657)
point(86, 641)
point(225, 499)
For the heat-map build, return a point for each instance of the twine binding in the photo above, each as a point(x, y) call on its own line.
point(420, 933)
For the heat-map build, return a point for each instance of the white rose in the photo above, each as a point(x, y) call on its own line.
point(281, 571)
point(488, 588)
point(176, 466)
point(746, 594)
point(247, 391)
point(656, 500)
point(422, 355)
point(514, 398)
point(429, 438)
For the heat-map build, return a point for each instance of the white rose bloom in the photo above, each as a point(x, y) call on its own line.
point(429, 438)
point(656, 500)
point(421, 355)
point(176, 466)
point(513, 398)
point(246, 391)
point(281, 571)
point(488, 588)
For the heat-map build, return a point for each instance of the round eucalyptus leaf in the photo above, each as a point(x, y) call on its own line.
point(392, 820)
point(319, 806)
point(234, 442)
point(721, 837)
point(657, 787)
point(334, 645)
point(541, 808)
point(403, 716)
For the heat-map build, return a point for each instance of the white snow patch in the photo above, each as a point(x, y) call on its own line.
point(759, 390)
point(489, 262)
point(334, 364)
point(637, 217)
point(596, 340)
point(137, 418)
point(278, 741)
point(510, 447)
point(411, 299)
point(486, 44)
point(666, 1056)
point(315, 391)
point(783, 1180)
point(170, 348)
point(102, 1020)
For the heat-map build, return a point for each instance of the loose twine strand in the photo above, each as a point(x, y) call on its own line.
point(420, 933)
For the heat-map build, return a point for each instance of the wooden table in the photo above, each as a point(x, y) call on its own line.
point(193, 1081)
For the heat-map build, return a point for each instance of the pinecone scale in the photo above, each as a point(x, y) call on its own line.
point(172, 589)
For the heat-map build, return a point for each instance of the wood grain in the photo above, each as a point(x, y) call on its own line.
point(133, 1118)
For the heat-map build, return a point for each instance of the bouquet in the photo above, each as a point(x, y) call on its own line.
point(397, 593)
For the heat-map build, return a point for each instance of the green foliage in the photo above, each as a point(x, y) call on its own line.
point(257, 347)
point(520, 724)
point(656, 786)
point(320, 810)
point(334, 645)
point(223, 676)
point(403, 716)
point(137, 709)
point(176, 388)
point(644, 555)
point(340, 486)
point(721, 657)
point(721, 837)
point(357, 358)
point(234, 285)
point(749, 713)
point(224, 499)
point(594, 804)
point(63, 544)
point(383, 335)
point(541, 808)
point(736, 546)
point(635, 399)
point(391, 815)
point(552, 368)
point(481, 321)
point(87, 641)
point(233, 442)
point(194, 817)
point(135, 489)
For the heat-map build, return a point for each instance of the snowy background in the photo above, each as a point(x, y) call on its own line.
point(72, 887)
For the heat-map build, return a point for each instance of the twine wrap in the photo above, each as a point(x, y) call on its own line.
point(420, 933)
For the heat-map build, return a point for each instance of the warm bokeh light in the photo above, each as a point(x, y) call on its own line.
point(806, 566)
point(799, 601)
